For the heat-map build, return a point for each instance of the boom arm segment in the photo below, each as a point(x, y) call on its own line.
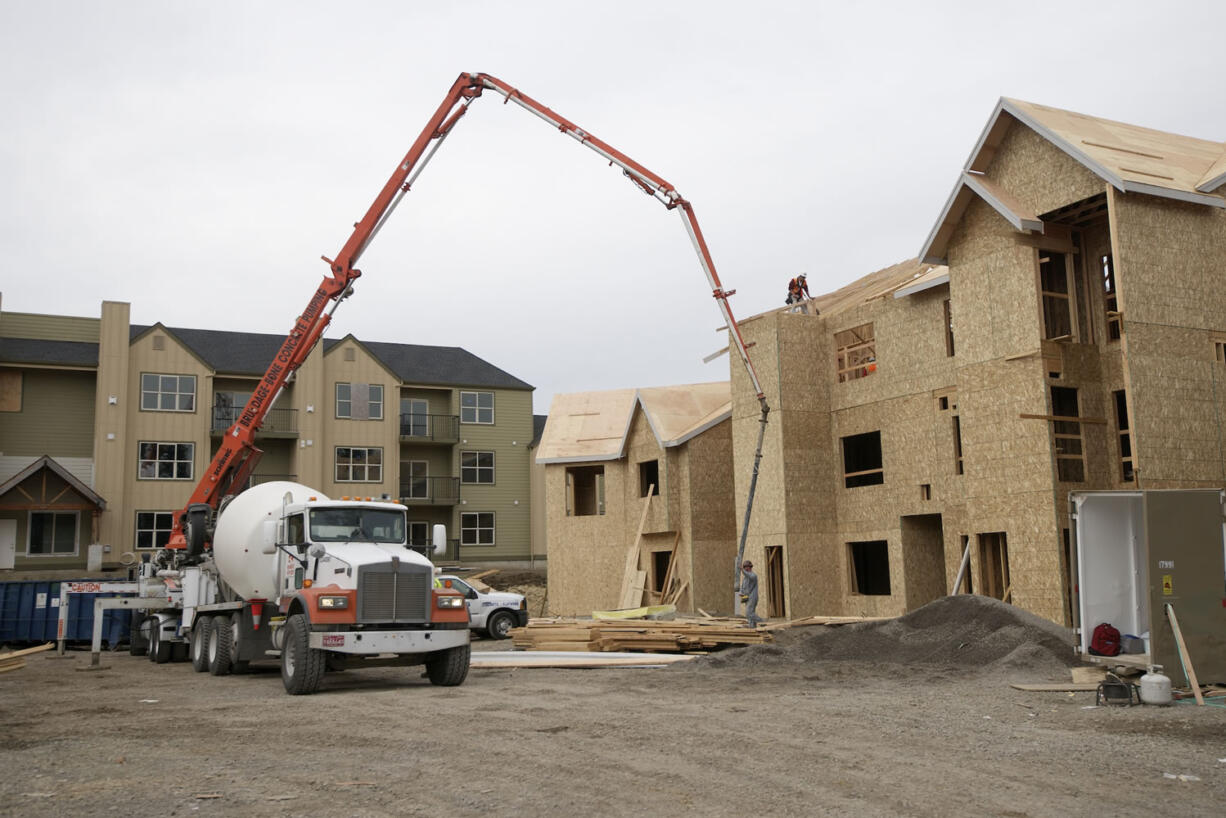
point(237, 456)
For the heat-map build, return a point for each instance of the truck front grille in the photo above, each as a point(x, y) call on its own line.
point(393, 592)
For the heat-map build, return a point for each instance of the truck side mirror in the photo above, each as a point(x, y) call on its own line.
point(268, 537)
point(440, 538)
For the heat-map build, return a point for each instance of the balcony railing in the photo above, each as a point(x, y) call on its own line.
point(430, 491)
point(276, 422)
point(430, 428)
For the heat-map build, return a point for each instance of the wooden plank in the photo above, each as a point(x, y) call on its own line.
point(482, 574)
point(17, 666)
point(1057, 687)
point(26, 651)
point(1183, 654)
point(628, 598)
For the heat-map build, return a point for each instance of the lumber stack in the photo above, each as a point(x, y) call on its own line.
point(17, 659)
point(635, 635)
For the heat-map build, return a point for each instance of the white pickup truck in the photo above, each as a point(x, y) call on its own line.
point(493, 613)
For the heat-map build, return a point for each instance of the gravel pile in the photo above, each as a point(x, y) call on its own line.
point(966, 633)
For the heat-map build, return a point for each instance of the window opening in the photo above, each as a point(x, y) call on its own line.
point(660, 561)
point(477, 468)
point(153, 528)
point(477, 407)
point(10, 390)
point(167, 393)
point(855, 352)
point(958, 467)
point(649, 477)
point(359, 401)
point(870, 567)
point(925, 491)
point(1054, 291)
point(1127, 472)
point(949, 330)
point(359, 465)
point(419, 534)
point(1066, 435)
point(52, 533)
point(414, 417)
point(584, 491)
point(777, 599)
point(1110, 296)
point(994, 565)
point(165, 461)
point(477, 528)
point(862, 460)
point(416, 477)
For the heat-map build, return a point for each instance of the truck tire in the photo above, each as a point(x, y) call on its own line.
point(221, 643)
point(449, 668)
point(302, 667)
point(138, 645)
point(201, 633)
point(159, 648)
point(499, 625)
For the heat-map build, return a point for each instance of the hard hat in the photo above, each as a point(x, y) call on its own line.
point(801, 276)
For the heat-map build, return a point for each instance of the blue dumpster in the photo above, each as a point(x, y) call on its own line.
point(30, 612)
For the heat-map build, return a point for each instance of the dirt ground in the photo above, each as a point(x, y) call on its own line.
point(908, 717)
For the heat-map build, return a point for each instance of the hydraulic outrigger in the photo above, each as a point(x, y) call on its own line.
point(237, 455)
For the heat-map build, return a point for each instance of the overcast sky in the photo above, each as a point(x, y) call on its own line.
point(196, 158)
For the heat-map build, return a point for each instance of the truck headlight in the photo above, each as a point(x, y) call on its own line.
point(333, 603)
point(451, 602)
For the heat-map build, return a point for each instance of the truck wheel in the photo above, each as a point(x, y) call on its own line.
point(159, 648)
point(498, 626)
point(138, 645)
point(221, 640)
point(449, 668)
point(236, 628)
point(200, 643)
point(302, 667)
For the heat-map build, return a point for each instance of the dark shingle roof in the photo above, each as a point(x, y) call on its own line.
point(37, 351)
point(538, 428)
point(248, 353)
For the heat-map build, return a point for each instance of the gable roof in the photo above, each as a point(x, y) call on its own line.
point(51, 353)
point(584, 427)
point(248, 353)
point(47, 462)
point(1130, 158)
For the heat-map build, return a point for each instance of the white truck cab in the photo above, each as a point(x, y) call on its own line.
point(495, 612)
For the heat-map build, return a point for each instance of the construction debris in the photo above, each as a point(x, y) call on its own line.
point(674, 636)
point(17, 659)
point(502, 659)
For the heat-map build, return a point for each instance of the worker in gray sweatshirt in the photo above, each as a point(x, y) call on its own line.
point(749, 593)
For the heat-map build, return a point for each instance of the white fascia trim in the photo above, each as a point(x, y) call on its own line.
point(983, 135)
point(693, 433)
point(545, 461)
point(919, 288)
point(1063, 144)
point(1019, 222)
point(1167, 193)
point(925, 253)
point(1213, 184)
point(638, 401)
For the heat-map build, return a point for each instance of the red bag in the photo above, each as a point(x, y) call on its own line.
point(1105, 641)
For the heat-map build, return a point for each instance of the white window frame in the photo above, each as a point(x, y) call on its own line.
point(161, 391)
point(157, 459)
point(477, 469)
point(475, 528)
point(163, 521)
point(76, 533)
point(374, 407)
point(475, 411)
point(366, 465)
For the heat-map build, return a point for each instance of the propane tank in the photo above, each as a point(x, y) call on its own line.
point(239, 541)
point(1155, 687)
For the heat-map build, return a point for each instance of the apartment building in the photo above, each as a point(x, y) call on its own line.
point(106, 426)
point(1063, 329)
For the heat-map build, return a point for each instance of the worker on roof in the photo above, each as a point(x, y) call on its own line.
point(798, 290)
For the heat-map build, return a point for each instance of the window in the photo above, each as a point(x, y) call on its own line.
point(1219, 347)
point(994, 565)
point(949, 330)
point(476, 407)
point(416, 474)
point(10, 390)
point(359, 401)
point(165, 461)
point(295, 529)
point(414, 417)
point(359, 465)
point(1054, 291)
point(153, 528)
point(958, 467)
point(584, 491)
point(1110, 299)
point(419, 534)
point(862, 460)
point(477, 467)
point(649, 477)
point(1127, 473)
point(477, 528)
point(1066, 435)
point(52, 534)
point(167, 393)
point(855, 352)
point(227, 406)
point(870, 567)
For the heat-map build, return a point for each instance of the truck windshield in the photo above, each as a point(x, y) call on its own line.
point(364, 524)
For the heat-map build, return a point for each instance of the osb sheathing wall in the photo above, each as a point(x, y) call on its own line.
point(587, 555)
point(1170, 263)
